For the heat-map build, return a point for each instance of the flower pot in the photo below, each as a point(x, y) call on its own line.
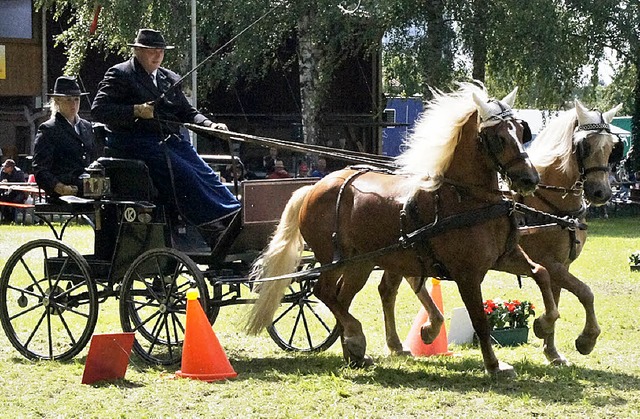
point(635, 268)
point(510, 337)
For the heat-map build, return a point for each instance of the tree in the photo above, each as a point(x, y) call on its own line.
point(326, 34)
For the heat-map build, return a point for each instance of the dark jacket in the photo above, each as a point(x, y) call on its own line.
point(17, 175)
point(127, 84)
point(60, 154)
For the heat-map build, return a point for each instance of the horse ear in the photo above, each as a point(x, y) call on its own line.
point(483, 108)
point(510, 99)
point(608, 116)
point(581, 111)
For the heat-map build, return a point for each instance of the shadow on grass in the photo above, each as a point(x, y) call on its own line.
point(540, 381)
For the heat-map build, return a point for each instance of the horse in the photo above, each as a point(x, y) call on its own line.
point(442, 210)
point(572, 155)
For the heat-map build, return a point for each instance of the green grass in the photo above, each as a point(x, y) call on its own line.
point(273, 383)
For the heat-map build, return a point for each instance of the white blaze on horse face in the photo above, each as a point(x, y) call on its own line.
point(513, 132)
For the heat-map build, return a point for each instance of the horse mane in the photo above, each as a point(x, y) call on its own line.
point(555, 142)
point(428, 150)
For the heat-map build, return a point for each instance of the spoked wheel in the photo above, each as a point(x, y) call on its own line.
point(303, 323)
point(153, 303)
point(48, 302)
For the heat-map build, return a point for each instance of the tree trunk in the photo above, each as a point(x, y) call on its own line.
point(479, 46)
point(308, 61)
point(436, 57)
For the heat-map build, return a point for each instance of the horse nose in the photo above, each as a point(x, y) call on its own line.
point(527, 182)
point(597, 196)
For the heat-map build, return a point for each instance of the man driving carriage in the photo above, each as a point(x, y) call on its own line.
point(143, 108)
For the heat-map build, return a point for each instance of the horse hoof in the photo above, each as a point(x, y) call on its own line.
point(403, 352)
point(554, 357)
point(585, 344)
point(540, 329)
point(428, 334)
point(365, 362)
point(561, 361)
point(503, 370)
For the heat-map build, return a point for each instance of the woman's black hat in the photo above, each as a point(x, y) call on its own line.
point(66, 86)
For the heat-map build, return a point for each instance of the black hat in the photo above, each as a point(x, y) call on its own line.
point(8, 163)
point(150, 38)
point(66, 86)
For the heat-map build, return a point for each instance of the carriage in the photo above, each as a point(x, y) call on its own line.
point(147, 258)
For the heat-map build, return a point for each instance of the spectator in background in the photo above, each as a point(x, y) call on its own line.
point(321, 168)
point(303, 169)
point(11, 173)
point(279, 172)
point(269, 161)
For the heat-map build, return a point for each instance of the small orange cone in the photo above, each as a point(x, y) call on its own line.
point(414, 340)
point(202, 355)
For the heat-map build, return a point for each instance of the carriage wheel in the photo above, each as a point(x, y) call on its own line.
point(303, 323)
point(153, 303)
point(48, 302)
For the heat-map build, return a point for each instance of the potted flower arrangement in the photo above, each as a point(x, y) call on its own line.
point(634, 261)
point(509, 320)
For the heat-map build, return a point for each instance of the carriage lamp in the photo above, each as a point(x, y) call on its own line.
point(94, 182)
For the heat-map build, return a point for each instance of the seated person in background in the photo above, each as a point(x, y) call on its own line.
point(268, 162)
point(321, 168)
point(64, 144)
point(143, 108)
point(229, 175)
point(303, 169)
point(11, 173)
point(279, 172)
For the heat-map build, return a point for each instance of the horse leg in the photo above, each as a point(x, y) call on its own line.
point(519, 263)
point(586, 341)
point(549, 349)
point(472, 297)
point(388, 290)
point(471, 294)
point(337, 293)
point(431, 328)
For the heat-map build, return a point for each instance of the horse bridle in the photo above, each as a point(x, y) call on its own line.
point(493, 145)
point(582, 153)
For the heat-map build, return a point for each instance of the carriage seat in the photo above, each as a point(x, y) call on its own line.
point(129, 178)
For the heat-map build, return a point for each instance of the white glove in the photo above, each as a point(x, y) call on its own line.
point(215, 125)
point(64, 190)
point(143, 110)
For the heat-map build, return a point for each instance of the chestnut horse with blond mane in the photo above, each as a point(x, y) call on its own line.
point(443, 211)
point(572, 155)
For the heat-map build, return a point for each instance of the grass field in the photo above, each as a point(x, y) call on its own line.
point(274, 383)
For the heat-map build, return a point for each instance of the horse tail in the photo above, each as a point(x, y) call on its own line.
point(281, 257)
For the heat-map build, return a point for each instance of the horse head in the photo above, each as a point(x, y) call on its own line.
point(596, 148)
point(503, 137)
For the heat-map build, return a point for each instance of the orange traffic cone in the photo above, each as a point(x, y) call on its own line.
point(414, 340)
point(202, 356)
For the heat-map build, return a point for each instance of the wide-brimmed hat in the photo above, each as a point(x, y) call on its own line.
point(66, 86)
point(150, 38)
